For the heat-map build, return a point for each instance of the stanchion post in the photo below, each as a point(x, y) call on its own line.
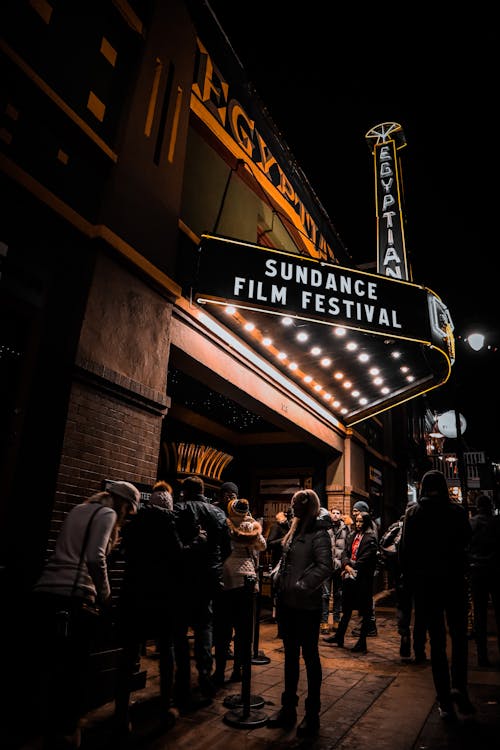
point(258, 657)
point(244, 715)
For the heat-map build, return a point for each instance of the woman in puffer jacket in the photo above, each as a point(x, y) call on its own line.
point(306, 564)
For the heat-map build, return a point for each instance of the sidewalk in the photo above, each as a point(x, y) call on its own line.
point(371, 701)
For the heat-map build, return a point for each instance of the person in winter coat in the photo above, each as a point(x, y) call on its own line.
point(433, 557)
point(153, 555)
point(338, 536)
point(232, 604)
point(74, 580)
point(362, 506)
point(359, 561)
point(484, 561)
point(305, 565)
point(200, 578)
point(274, 540)
point(389, 558)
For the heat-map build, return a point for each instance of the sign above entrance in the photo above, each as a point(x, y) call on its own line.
point(361, 342)
point(257, 278)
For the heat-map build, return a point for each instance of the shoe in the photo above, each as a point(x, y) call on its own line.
point(219, 679)
point(285, 718)
point(235, 675)
point(372, 633)
point(462, 702)
point(309, 726)
point(447, 712)
point(359, 647)
point(324, 628)
point(169, 719)
point(334, 639)
point(405, 647)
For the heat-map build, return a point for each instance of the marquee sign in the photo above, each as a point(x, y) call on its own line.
point(258, 278)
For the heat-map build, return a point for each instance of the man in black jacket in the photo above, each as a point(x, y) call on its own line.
point(433, 556)
point(201, 579)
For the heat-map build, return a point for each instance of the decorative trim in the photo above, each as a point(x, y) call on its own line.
point(122, 387)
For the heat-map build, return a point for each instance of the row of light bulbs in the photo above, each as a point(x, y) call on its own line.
point(302, 337)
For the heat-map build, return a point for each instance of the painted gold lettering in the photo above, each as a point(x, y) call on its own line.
point(242, 127)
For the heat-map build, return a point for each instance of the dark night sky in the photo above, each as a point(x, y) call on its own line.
point(326, 78)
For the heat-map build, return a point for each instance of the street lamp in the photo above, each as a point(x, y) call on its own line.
point(475, 341)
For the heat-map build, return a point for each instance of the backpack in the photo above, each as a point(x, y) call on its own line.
point(389, 545)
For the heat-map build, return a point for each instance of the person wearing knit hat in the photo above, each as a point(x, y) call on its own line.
point(231, 611)
point(229, 488)
point(238, 509)
point(361, 506)
point(228, 491)
point(161, 495)
point(154, 554)
point(76, 579)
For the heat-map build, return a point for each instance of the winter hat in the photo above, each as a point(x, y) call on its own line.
point(238, 510)
point(127, 491)
point(230, 487)
point(361, 506)
point(161, 495)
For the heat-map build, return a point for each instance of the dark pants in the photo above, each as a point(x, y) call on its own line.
point(64, 662)
point(484, 582)
point(137, 626)
point(356, 595)
point(404, 608)
point(300, 630)
point(443, 604)
point(233, 609)
point(197, 614)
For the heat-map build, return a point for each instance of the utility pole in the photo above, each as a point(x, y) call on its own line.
point(462, 474)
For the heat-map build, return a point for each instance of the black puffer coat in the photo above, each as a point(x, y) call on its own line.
point(307, 564)
point(153, 555)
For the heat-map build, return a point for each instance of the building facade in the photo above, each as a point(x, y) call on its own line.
point(132, 140)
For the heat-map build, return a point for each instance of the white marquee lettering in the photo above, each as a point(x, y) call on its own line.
point(388, 201)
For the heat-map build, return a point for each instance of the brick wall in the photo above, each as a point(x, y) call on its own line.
point(106, 438)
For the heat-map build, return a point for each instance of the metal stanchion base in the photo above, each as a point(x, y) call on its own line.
point(235, 701)
point(260, 658)
point(245, 719)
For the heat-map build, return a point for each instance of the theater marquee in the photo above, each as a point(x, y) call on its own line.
point(257, 278)
point(250, 277)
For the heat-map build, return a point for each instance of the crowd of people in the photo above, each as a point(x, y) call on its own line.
point(192, 568)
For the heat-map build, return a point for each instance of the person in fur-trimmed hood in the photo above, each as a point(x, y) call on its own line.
point(232, 608)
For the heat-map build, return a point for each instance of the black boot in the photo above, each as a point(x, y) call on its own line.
point(309, 726)
point(360, 646)
point(335, 640)
point(286, 717)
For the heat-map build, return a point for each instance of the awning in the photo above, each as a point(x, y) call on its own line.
point(357, 342)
